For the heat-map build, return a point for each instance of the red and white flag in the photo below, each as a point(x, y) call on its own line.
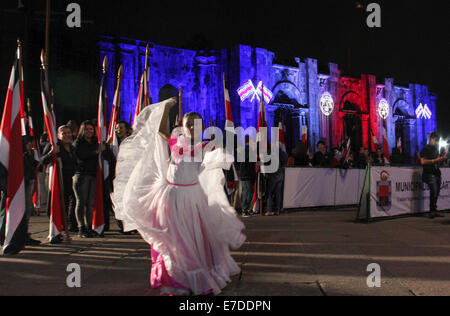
point(399, 144)
point(11, 151)
point(346, 154)
point(55, 171)
point(426, 112)
point(229, 126)
point(247, 90)
point(387, 157)
point(281, 138)
point(262, 128)
point(375, 141)
point(305, 133)
point(114, 115)
point(229, 123)
point(143, 99)
point(98, 215)
point(262, 122)
point(262, 91)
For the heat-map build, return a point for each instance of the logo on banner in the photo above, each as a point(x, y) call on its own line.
point(384, 191)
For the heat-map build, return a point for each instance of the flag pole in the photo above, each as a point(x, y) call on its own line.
point(66, 237)
point(47, 32)
point(180, 107)
point(21, 94)
point(262, 110)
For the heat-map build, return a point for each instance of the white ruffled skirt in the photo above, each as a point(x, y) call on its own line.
point(192, 228)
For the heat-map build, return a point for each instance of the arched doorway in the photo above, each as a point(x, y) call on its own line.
point(353, 130)
point(289, 111)
point(404, 120)
point(352, 119)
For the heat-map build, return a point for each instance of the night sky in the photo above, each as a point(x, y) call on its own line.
point(412, 46)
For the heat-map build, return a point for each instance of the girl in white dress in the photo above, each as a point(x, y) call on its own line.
point(178, 206)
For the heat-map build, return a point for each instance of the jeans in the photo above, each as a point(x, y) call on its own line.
point(29, 207)
point(434, 183)
point(274, 193)
point(84, 189)
point(69, 201)
point(248, 188)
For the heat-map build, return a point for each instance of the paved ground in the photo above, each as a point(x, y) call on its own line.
point(310, 253)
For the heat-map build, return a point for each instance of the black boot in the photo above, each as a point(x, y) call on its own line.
point(56, 240)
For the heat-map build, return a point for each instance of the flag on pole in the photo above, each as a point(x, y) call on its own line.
point(55, 203)
point(346, 154)
point(229, 127)
point(281, 139)
point(426, 112)
point(180, 107)
point(305, 132)
point(419, 111)
point(11, 151)
point(399, 144)
point(261, 90)
point(140, 100)
point(98, 216)
point(229, 123)
point(262, 123)
point(246, 90)
point(375, 141)
point(144, 97)
point(114, 115)
point(385, 143)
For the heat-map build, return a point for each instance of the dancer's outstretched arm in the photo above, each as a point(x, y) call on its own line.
point(164, 124)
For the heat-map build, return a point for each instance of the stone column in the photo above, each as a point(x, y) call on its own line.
point(390, 98)
point(313, 101)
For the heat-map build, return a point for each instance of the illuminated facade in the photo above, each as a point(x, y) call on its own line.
point(333, 106)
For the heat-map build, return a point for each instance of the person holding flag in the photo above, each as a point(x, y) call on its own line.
point(65, 151)
point(56, 195)
point(102, 203)
point(262, 147)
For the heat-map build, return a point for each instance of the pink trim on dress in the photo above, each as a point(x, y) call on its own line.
point(182, 185)
point(158, 276)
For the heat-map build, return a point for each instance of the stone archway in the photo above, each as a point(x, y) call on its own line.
point(404, 122)
point(287, 108)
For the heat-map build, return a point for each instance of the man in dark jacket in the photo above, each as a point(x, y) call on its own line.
point(65, 150)
point(430, 160)
point(30, 165)
point(322, 158)
point(247, 176)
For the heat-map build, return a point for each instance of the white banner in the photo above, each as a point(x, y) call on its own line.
point(311, 187)
point(400, 191)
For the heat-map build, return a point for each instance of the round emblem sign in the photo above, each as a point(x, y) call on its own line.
point(383, 109)
point(326, 104)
